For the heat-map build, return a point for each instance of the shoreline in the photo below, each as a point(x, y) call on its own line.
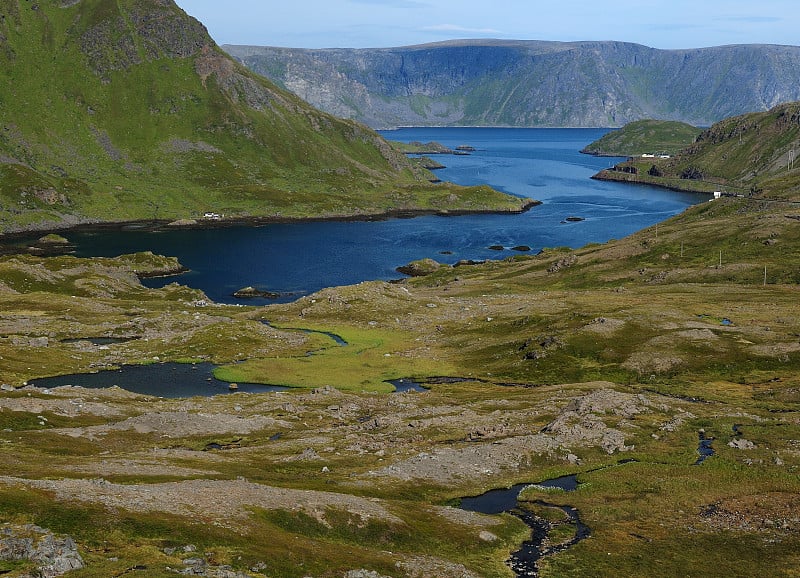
point(252, 221)
point(603, 154)
point(619, 177)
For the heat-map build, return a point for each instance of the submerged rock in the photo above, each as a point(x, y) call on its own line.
point(251, 292)
point(53, 239)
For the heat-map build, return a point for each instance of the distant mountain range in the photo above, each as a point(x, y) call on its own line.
point(532, 83)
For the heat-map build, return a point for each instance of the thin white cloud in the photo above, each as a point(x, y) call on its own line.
point(381, 23)
point(752, 19)
point(455, 28)
point(398, 3)
point(391, 3)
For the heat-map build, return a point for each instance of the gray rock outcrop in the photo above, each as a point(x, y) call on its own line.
point(53, 555)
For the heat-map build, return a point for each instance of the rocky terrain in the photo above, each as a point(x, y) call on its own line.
point(617, 363)
point(53, 556)
point(662, 376)
point(356, 446)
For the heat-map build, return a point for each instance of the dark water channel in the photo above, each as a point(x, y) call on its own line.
point(101, 341)
point(704, 448)
point(404, 385)
point(338, 339)
point(525, 561)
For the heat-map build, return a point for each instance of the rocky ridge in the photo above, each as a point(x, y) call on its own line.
point(564, 84)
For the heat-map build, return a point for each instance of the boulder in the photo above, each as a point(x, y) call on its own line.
point(420, 268)
point(742, 444)
point(53, 555)
point(487, 536)
point(563, 263)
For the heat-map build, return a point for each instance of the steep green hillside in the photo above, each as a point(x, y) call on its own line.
point(751, 154)
point(116, 110)
point(645, 137)
point(532, 83)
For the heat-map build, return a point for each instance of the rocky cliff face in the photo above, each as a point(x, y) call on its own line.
point(147, 31)
point(530, 83)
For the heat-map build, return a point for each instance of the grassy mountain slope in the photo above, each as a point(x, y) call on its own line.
point(749, 154)
point(115, 110)
point(533, 83)
point(644, 136)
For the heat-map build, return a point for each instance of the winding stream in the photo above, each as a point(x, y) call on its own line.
point(525, 561)
point(338, 339)
point(704, 447)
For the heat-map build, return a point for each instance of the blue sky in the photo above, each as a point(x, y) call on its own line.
point(384, 23)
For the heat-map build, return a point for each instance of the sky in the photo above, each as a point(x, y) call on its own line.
point(666, 24)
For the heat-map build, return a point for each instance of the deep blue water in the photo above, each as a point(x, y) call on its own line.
point(299, 258)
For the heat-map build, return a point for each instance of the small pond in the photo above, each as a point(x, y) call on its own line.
point(170, 380)
point(175, 380)
point(403, 385)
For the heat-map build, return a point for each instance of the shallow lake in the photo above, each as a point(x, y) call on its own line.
point(172, 380)
point(295, 259)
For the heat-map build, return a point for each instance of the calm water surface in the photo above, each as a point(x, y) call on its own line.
point(299, 258)
point(173, 380)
